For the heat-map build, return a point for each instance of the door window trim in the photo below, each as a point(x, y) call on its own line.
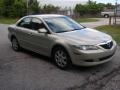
point(46, 26)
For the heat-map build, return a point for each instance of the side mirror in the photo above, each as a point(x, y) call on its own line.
point(42, 30)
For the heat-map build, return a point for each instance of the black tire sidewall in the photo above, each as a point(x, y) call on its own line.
point(17, 44)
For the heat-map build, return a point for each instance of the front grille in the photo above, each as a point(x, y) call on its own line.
point(107, 45)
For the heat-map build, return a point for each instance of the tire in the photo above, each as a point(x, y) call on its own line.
point(106, 16)
point(15, 44)
point(61, 58)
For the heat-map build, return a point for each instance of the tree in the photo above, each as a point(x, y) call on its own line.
point(7, 7)
point(81, 9)
point(1, 1)
point(49, 8)
point(94, 8)
point(30, 2)
point(19, 8)
point(12, 8)
point(109, 6)
point(89, 8)
point(34, 7)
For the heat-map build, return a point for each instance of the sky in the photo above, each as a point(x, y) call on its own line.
point(108, 1)
point(72, 3)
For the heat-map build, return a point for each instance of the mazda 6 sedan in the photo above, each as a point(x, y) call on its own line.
point(62, 39)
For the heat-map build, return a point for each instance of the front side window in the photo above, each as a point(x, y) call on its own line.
point(37, 24)
point(62, 24)
point(25, 23)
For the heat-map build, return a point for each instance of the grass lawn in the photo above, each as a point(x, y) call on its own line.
point(8, 20)
point(87, 20)
point(113, 30)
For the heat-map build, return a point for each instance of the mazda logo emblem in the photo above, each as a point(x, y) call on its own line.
point(108, 44)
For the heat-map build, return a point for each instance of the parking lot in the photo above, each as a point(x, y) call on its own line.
point(26, 70)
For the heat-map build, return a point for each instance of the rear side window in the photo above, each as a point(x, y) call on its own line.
point(25, 23)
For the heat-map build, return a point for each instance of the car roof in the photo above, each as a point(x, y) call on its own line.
point(45, 15)
point(41, 16)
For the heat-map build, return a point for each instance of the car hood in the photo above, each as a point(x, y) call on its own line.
point(85, 36)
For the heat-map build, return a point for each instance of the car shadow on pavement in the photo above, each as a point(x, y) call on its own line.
point(73, 68)
point(97, 68)
point(36, 55)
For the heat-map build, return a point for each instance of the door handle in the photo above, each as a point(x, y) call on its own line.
point(30, 33)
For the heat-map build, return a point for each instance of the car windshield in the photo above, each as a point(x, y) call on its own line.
point(62, 24)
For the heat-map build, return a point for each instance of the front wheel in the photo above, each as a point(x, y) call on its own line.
point(61, 58)
point(15, 44)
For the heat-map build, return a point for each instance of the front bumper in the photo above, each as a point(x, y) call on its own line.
point(93, 57)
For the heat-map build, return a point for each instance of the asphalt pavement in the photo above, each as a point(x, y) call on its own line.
point(26, 70)
point(100, 22)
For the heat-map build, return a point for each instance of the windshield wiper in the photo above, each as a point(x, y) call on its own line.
point(70, 30)
point(75, 29)
point(67, 31)
point(61, 31)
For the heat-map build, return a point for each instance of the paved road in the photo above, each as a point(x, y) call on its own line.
point(29, 71)
point(102, 21)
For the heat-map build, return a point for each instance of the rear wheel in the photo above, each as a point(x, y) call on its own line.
point(61, 58)
point(15, 44)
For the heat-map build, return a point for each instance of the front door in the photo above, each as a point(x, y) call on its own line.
point(41, 42)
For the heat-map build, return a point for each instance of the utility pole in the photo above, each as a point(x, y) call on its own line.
point(27, 4)
point(115, 12)
point(89, 1)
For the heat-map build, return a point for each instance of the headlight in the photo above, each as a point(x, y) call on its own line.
point(86, 47)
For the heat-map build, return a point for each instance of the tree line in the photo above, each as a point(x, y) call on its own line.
point(19, 8)
point(92, 7)
point(12, 8)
